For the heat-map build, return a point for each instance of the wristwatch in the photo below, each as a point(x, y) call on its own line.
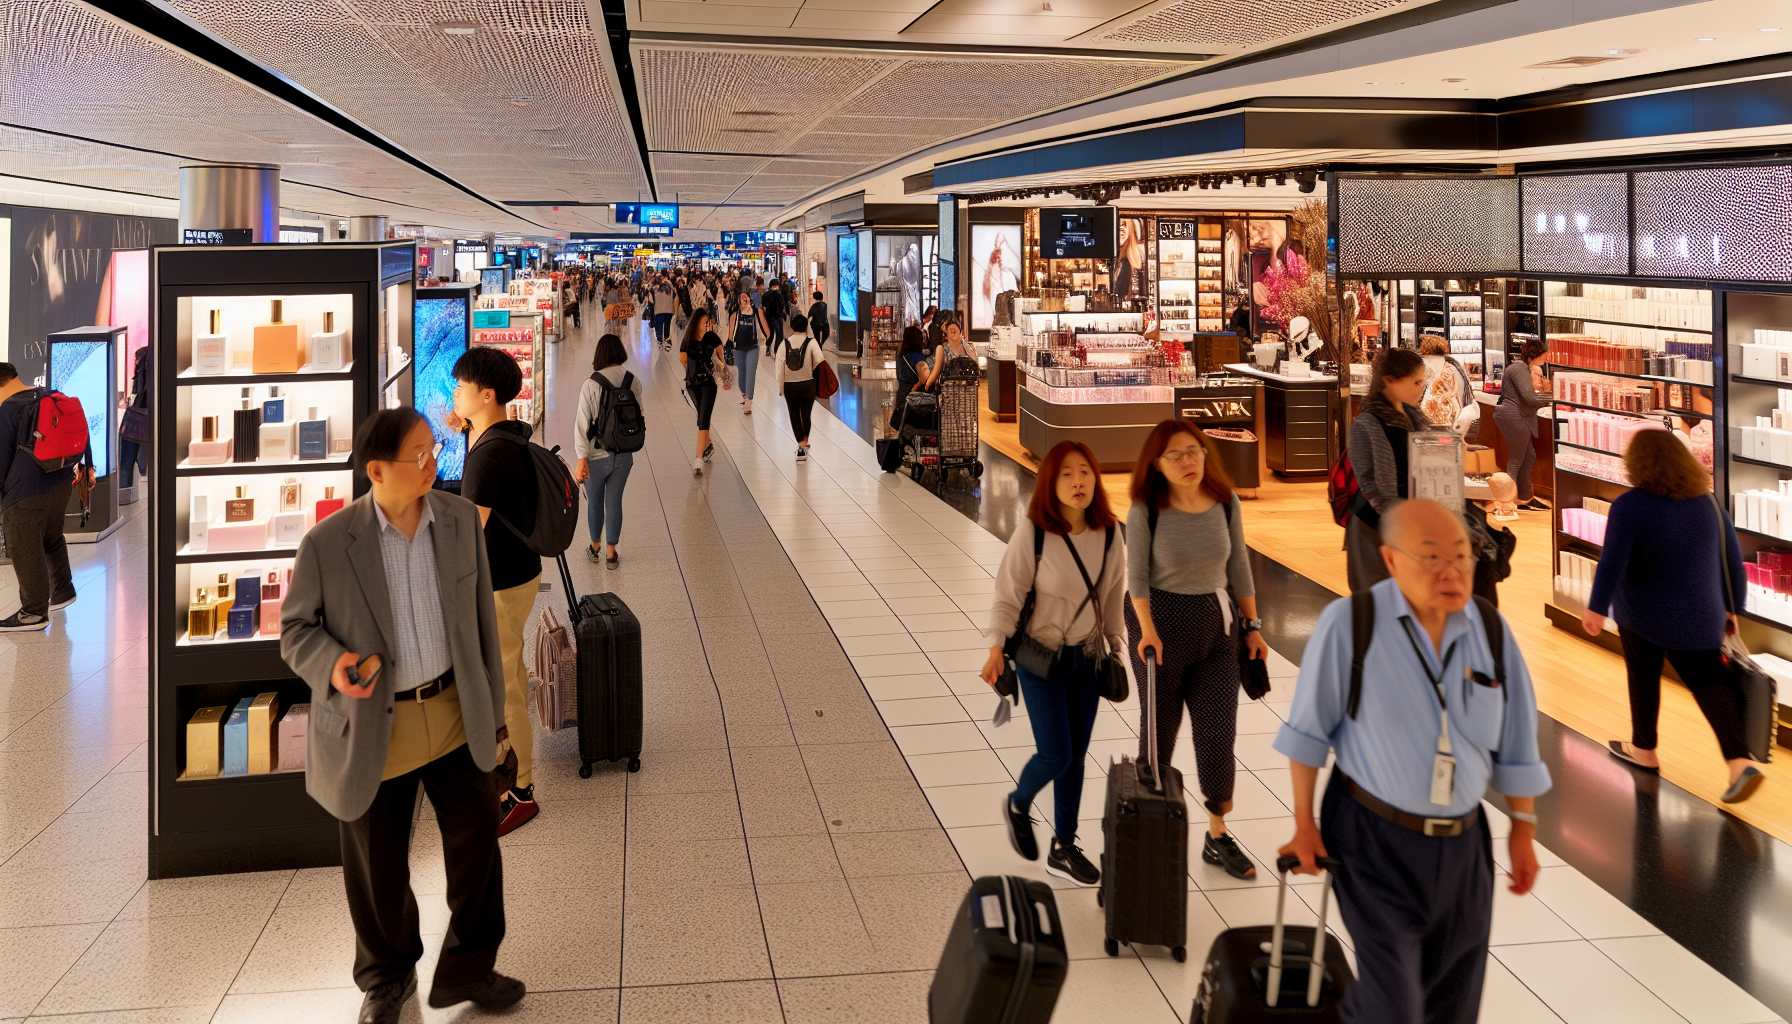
point(1525, 816)
point(1253, 625)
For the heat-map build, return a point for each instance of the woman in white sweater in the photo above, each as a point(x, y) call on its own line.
point(603, 473)
point(1069, 532)
point(797, 384)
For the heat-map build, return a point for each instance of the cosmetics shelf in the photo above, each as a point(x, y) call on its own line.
point(334, 463)
point(188, 378)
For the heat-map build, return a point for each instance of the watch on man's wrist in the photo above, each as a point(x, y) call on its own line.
point(1525, 816)
point(1253, 625)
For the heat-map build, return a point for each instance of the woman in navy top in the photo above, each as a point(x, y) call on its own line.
point(1660, 578)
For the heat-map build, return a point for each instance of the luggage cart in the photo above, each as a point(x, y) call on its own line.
point(946, 437)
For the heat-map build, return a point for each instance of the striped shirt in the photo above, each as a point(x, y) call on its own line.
point(416, 594)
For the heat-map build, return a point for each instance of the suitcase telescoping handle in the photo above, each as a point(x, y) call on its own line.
point(1316, 965)
point(1149, 698)
point(572, 594)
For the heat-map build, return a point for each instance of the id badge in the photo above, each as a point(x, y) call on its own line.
point(1443, 780)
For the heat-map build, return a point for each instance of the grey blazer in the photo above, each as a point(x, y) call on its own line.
point(339, 602)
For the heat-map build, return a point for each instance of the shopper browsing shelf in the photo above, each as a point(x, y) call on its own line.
point(1378, 457)
point(499, 477)
point(798, 357)
point(1434, 719)
point(602, 409)
point(405, 689)
point(1661, 576)
point(746, 325)
point(1188, 571)
point(32, 503)
point(704, 372)
point(1071, 558)
point(1516, 416)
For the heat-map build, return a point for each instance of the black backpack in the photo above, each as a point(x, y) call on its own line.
point(556, 501)
point(1362, 633)
point(796, 352)
point(619, 426)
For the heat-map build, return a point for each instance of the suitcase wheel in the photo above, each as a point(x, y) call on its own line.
point(585, 770)
point(1180, 953)
point(634, 764)
point(1112, 946)
point(1100, 900)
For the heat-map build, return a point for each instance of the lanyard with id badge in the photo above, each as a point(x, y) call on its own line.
point(1443, 765)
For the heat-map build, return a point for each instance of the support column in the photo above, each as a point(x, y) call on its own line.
point(231, 197)
point(367, 229)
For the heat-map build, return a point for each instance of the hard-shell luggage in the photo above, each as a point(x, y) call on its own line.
point(1263, 973)
point(1144, 857)
point(607, 639)
point(1004, 961)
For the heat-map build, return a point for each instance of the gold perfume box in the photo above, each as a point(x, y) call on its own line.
point(264, 745)
point(205, 741)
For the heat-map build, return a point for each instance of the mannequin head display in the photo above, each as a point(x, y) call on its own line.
point(1505, 497)
point(1303, 341)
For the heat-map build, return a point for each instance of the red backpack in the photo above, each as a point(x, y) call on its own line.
point(57, 431)
point(1341, 489)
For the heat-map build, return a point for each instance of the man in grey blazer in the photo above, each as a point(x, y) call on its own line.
point(390, 620)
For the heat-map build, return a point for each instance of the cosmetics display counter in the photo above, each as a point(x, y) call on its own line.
point(1298, 416)
point(266, 359)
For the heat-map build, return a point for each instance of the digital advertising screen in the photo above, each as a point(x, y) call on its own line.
point(491, 280)
point(78, 369)
point(651, 218)
point(995, 268)
point(1078, 233)
point(849, 278)
point(440, 339)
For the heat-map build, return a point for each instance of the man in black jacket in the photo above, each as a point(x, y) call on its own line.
point(32, 504)
point(776, 314)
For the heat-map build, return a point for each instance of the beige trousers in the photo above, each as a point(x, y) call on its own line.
point(514, 606)
point(423, 730)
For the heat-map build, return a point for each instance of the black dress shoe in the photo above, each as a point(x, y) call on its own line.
point(492, 992)
point(383, 1003)
point(1020, 829)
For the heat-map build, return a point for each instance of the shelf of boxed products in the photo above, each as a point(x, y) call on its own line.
point(238, 606)
point(1100, 395)
point(1592, 464)
point(1673, 308)
point(1650, 414)
point(305, 374)
point(1574, 583)
point(1767, 360)
point(256, 738)
point(1578, 352)
point(1608, 392)
point(254, 515)
point(227, 339)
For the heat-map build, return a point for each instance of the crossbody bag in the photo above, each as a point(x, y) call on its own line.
point(1110, 675)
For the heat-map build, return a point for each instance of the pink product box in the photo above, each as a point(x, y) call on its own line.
point(249, 536)
point(292, 737)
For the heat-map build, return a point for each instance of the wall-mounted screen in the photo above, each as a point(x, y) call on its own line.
point(1085, 233)
point(491, 281)
point(440, 339)
point(866, 264)
point(995, 268)
point(849, 278)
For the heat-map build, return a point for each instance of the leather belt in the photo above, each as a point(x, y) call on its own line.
point(1436, 828)
point(427, 690)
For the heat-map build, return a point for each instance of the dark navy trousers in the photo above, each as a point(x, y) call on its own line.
point(1418, 909)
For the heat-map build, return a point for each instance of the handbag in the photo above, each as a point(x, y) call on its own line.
point(1110, 675)
point(1022, 649)
point(826, 383)
point(1759, 692)
point(134, 426)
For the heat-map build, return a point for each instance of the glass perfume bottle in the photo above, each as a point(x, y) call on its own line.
point(329, 504)
point(211, 351)
point(247, 435)
point(277, 345)
point(314, 435)
point(289, 520)
point(210, 449)
point(241, 508)
point(329, 347)
point(221, 602)
point(202, 618)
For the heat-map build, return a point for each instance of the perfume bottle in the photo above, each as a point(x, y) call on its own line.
point(277, 346)
point(273, 408)
point(199, 520)
point(241, 508)
point(247, 434)
point(202, 618)
point(271, 589)
point(277, 441)
point(329, 347)
point(329, 504)
point(291, 492)
point(211, 351)
point(272, 593)
point(210, 449)
point(314, 435)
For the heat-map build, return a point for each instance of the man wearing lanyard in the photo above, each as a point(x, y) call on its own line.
point(1432, 726)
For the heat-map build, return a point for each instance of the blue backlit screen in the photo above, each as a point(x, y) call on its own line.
point(78, 369)
point(441, 338)
point(849, 278)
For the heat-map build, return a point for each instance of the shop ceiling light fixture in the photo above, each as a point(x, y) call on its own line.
point(458, 28)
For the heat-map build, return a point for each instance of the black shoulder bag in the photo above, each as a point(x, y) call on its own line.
point(1022, 649)
point(1110, 675)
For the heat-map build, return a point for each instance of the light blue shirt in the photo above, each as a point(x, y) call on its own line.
point(1390, 747)
point(415, 591)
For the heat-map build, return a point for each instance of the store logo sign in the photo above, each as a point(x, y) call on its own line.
point(217, 236)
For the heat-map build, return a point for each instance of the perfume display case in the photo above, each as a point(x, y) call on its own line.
point(266, 359)
point(83, 364)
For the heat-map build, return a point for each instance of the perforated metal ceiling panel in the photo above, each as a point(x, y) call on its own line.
point(1230, 25)
point(1416, 225)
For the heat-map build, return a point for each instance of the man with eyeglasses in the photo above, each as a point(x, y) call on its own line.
point(1403, 683)
point(390, 620)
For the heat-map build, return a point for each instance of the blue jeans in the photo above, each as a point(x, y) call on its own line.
point(1062, 709)
point(746, 365)
point(662, 325)
point(603, 496)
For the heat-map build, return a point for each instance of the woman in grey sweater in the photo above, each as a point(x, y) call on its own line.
point(1378, 457)
point(1516, 416)
point(1187, 568)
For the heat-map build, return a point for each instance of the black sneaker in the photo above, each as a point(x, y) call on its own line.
point(492, 992)
point(613, 561)
point(20, 622)
point(1069, 862)
point(1020, 829)
point(384, 1003)
point(802, 454)
point(593, 553)
point(1226, 853)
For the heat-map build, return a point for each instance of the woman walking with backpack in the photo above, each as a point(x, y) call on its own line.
point(796, 380)
point(1187, 567)
point(604, 473)
point(746, 325)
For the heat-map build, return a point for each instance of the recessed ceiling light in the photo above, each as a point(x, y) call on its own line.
point(1706, 39)
point(458, 28)
point(1770, 30)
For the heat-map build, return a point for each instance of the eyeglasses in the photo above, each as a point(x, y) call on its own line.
point(424, 458)
point(1436, 564)
point(1182, 455)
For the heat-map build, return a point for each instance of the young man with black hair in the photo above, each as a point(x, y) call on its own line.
point(32, 505)
point(499, 478)
point(389, 620)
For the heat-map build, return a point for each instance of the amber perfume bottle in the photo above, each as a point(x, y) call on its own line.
point(210, 449)
point(241, 508)
point(277, 346)
point(221, 601)
point(202, 618)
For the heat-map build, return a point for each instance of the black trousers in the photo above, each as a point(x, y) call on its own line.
point(1419, 911)
point(39, 553)
point(1200, 669)
point(1702, 672)
point(376, 867)
point(799, 397)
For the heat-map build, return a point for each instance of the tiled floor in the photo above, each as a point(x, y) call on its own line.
point(819, 783)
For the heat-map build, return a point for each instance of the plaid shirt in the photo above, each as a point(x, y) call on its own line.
point(416, 594)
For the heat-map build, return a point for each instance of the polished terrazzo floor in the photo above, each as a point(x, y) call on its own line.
point(819, 784)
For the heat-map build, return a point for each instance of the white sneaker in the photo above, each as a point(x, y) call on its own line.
point(696, 467)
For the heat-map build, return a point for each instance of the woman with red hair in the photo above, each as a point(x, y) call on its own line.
point(1188, 572)
point(1067, 563)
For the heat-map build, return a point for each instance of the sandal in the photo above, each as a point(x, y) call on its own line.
point(1619, 751)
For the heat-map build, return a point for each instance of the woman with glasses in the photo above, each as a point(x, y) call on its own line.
point(1188, 572)
point(1378, 438)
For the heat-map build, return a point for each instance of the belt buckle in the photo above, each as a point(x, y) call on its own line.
point(1442, 827)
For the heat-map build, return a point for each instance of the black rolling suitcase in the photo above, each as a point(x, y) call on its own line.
point(607, 642)
point(1004, 961)
point(1144, 857)
point(1263, 973)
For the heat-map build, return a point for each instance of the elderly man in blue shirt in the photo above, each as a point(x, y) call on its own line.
point(1433, 726)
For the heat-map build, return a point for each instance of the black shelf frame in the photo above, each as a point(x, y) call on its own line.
point(254, 822)
point(1737, 378)
point(1745, 460)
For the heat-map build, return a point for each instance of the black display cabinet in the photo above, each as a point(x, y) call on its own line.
point(328, 327)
